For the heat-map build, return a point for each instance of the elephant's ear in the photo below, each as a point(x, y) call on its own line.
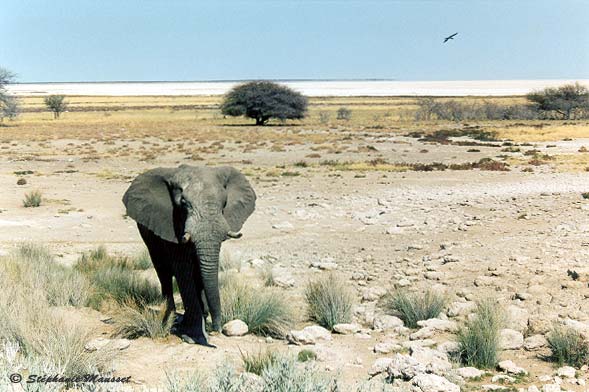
point(241, 198)
point(149, 202)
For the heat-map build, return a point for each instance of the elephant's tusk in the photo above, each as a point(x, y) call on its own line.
point(185, 238)
point(233, 234)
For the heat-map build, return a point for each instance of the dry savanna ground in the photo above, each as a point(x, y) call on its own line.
point(367, 223)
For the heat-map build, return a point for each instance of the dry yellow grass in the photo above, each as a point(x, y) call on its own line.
point(197, 118)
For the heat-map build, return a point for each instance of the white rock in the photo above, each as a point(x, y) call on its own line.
point(435, 361)
point(566, 371)
point(493, 387)
point(510, 367)
point(469, 372)
point(373, 293)
point(404, 367)
point(448, 347)
point(283, 226)
point(460, 308)
point(324, 265)
point(510, 339)
point(434, 383)
point(379, 366)
point(551, 388)
point(235, 328)
point(517, 318)
point(308, 335)
point(423, 333)
point(535, 342)
point(283, 280)
point(386, 347)
point(346, 329)
point(439, 325)
point(99, 343)
point(385, 322)
point(503, 379)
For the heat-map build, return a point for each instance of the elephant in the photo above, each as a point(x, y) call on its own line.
point(183, 215)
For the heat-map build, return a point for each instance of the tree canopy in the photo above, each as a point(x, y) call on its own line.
point(8, 104)
point(568, 101)
point(263, 100)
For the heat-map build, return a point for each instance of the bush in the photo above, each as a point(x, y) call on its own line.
point(284, 376)
point(306, 355)
point(257, 363)
point(478, 341)
point(33, 199)
point(135, 320)
point(329, 300)
point(565, 102)
point(56, 104)
point(344, 114)
point(122, 285)
point(263, 100)
point(414, 307)
point(265, 311)
point(568, 347)
point(99, 258)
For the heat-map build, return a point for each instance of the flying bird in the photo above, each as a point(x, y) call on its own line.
point(449, 37)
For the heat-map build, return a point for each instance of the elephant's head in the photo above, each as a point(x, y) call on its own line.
point(197, 206)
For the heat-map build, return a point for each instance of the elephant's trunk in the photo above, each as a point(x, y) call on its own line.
point(208, 256)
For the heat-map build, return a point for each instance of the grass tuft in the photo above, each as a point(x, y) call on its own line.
point(306, 355)
point(265, 311)
point(133, 321)
point(479, 340)
point(33, 199)
point(258, 362)
point(414, 307)
point(568, 347)
point(122, 285)
point(329, 300)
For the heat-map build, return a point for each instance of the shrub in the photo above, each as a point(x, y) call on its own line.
point(99, 258)
point(568, 347)
point(122, 285)
point(329, 300)
point(192, 381)
point(135, 320)
point(306, 355)
point(33, 199)
point(265, 311)
point(414, 307)
point(566, 102)
point(478, 341)
point(344, 114)
point(285, 376)
point(56, 104)
point(258, 362)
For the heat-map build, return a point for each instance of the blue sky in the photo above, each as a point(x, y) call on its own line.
point(107, 40)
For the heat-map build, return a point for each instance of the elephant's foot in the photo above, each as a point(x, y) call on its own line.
point(201, 340)
point(192, 335)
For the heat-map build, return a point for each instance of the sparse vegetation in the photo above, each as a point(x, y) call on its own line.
point(265, 311)
point(478, 340)
point(258, 362)
point(344, 114)
point(121, 285)
point(414, 307)
point(306, 355)
point(134, 320)
point(568, 347)
point(9, 105)
point(33, 199)
point(329, 300)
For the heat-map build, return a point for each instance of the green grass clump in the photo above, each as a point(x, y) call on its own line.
point(265, 311)
point(568, 347)
point(33, 199)
point(306, 355)
point(257, 362)
point(329, 300)
point(135, 320)
point(414, 307)
point(122, 285)
point(99, 258)
point(478, 340)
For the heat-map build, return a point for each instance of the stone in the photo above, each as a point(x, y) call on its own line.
point(551, 388)
point(434, 383)
point(380, 366)
point(460, 308)
point(308, 335)
point(324, 265)
point(439, 325)
point(434, 361)
point(503, 379)
point(510, 339)
point(423, 333)
point(346, 329)
point(283, 226)
point(517, 318)
point(373, 293)
point(235, 328)
point(535, 342)
point(99, 343)
point(511, 368)
point(469, 372)
point(403, 282)
point(404, 367)
point(385, 322)
point(493, 387)
point(448, 347)
point(566, 372)
point(386, 347)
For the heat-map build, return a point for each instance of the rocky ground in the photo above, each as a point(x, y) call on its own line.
point(511, 235)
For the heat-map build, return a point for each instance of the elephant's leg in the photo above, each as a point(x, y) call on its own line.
point(160, 259)
point(192, 329)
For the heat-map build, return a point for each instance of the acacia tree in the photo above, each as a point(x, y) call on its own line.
point(8, 104)
point(56, 103)
point(569, 100)
point(263, 100)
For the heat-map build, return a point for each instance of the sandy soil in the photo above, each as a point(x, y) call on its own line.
point(512, 235)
